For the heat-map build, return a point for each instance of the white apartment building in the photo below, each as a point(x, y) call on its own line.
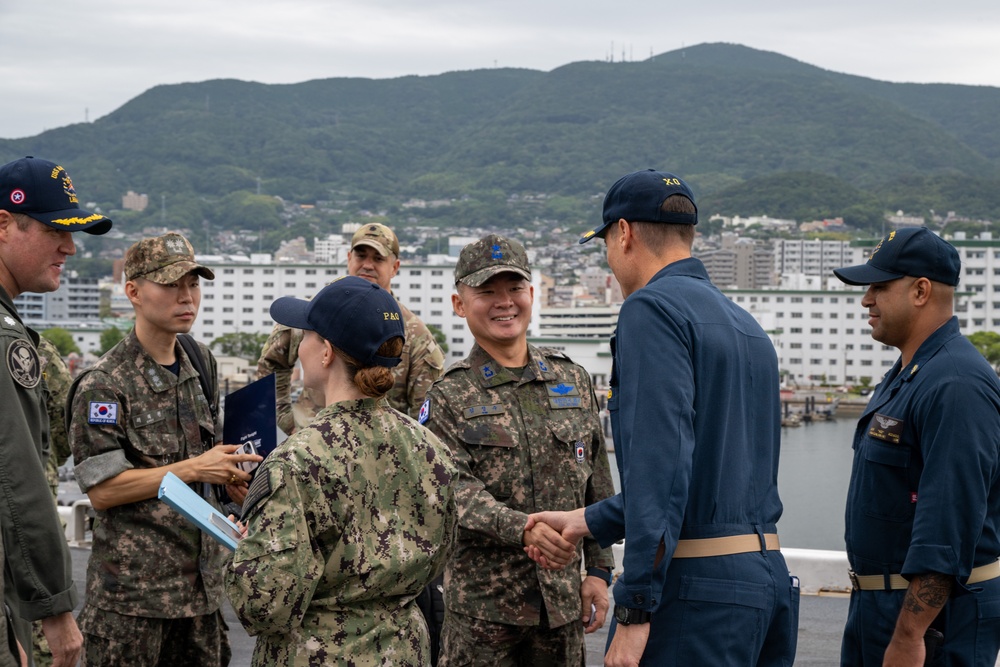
point(76, 300)
point(821, 335)
point(814, 257)
point(239, 298)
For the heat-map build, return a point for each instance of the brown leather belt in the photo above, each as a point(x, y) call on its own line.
point(726, 546)
point(876, 582)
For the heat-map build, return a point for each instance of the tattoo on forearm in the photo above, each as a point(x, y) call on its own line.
point(927, 591)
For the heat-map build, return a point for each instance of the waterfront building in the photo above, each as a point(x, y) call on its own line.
point(239, 298)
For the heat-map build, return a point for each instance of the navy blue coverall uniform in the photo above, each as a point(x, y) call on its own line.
point(925, 497)
point(695, 415)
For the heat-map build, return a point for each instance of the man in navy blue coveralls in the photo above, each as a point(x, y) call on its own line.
point(695, 415)
point(923, 508)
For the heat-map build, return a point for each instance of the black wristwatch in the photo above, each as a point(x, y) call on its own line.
point(629, 616)
point(601, 573)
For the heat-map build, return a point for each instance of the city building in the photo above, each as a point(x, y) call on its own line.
point(76, 300)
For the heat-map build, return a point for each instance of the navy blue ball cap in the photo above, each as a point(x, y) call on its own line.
point(908, 251)
point(355, 315)
point(43, 190)
point(638, 197)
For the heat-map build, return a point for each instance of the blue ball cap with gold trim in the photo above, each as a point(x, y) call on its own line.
point(908, 251)
point(355, 315)
point(637, 197)
point(43, 190)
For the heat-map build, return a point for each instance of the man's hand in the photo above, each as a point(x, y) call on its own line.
point(904, 652)
point(218, 465)
point(571, 525)
point(542, 539)
point(65, 640)
point(593, 591)
point(628, 645)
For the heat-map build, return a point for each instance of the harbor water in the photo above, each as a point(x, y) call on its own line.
point(813, 472)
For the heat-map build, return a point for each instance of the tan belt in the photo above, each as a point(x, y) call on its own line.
point(725, 546)
point(876, 582)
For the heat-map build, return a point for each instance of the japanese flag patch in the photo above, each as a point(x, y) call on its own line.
point(103, 413)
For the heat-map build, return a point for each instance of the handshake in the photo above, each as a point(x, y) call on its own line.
point(550, 538)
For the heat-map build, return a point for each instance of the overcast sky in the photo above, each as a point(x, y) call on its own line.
point(67, 62)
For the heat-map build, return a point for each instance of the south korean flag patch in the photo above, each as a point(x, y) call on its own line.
point(425, 412)
point(581, 451)
point(103, 413)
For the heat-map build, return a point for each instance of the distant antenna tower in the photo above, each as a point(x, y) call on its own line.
point(612, 50)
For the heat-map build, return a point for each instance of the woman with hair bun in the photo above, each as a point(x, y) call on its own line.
point(350, 518)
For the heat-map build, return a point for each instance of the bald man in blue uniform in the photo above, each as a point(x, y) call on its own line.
point(695, 414)
point(923, 507)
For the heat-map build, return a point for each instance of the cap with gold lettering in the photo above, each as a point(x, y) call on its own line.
point(356, 316)
point(43, 190)
point(637, 197)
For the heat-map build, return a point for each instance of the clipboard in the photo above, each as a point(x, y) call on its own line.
point(196, 509)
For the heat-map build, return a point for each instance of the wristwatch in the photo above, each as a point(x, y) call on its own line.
point(629, 616)
point(602, 573)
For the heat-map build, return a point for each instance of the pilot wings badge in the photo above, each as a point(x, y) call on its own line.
point(886, 428)
point(886, 422)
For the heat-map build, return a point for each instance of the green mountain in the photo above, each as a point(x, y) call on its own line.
point(754, 132)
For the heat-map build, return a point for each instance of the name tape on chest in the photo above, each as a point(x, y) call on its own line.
point(886, 428)
point(483, 410)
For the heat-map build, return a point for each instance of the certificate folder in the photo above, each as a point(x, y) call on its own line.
point(250, 417)
point(195, 509)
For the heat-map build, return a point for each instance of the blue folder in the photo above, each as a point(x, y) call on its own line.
point(196, 509)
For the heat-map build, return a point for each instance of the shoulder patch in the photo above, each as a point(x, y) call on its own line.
point(425, 412)
point(23, 363)
point(260, 488)
point(102, 413)
point(9, 322)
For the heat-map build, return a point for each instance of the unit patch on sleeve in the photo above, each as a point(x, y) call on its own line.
point(22, 362)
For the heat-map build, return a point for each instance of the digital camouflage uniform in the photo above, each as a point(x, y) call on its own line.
point(348, 520)
point(422, 364)
point(38, 579)
point(147, 561)
point(57, 382)
point(525, 441)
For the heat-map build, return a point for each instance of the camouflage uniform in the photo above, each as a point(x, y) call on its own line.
point(348, 520)
point(147, 561)
point(38, 579)
point(525, 441)
point(57, 382)
point(422, 364)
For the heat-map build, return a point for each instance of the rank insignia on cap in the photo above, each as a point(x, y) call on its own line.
point(425, 412)
point(22, 362)
point(103, 413)
point(497, 252)
point(581, 451)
